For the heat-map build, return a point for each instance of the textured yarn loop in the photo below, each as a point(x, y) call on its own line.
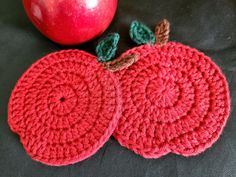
point(175, 99)
point(106, 49)
point(64, 107)
point(120, 63)
point(141, 34)
point(162, 32)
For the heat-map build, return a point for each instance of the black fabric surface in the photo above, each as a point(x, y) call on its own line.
point(208, 25)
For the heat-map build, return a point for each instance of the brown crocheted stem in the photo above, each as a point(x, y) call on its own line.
point(162, 32)
point(121, 63)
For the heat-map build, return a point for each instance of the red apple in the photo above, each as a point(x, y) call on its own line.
point(71, 22)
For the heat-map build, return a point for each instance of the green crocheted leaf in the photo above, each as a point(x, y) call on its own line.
point(141, 34)
point(106, 48)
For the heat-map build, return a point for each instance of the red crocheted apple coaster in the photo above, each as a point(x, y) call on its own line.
point(175, 99)
point(64, 107)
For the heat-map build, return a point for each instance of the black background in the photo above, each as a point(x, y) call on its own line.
point(209, 25)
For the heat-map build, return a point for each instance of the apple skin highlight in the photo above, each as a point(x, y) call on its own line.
point(71, 22)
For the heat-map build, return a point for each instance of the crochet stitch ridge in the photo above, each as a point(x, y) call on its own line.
point(64, 107)
point(175, 99)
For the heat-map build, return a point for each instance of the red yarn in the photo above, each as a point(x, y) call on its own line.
point(175, 99)
point(64, 107)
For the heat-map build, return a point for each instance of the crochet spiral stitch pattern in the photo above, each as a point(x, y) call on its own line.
point(64, 107)
point(175, 99)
